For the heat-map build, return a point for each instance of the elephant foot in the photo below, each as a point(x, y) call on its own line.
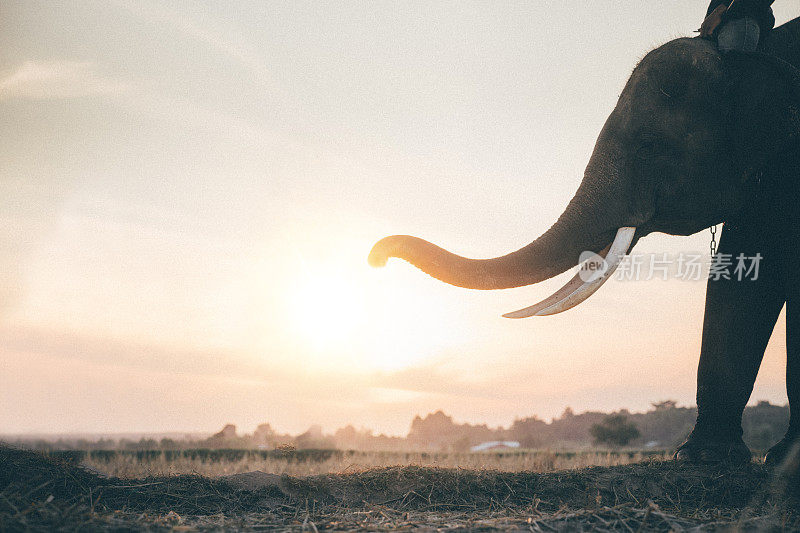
point(785, 455)
point(697, 450)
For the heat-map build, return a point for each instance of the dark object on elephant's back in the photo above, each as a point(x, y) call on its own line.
point(760, 10)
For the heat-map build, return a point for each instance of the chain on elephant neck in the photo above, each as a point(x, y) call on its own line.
point(713, 245)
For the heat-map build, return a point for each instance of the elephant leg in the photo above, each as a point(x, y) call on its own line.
point(739, 318)
point(793, 362)
point(787, 451)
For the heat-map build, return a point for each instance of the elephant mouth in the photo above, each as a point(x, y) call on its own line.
point(586, 282)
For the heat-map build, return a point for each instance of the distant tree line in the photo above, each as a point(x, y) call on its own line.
point(664, 426)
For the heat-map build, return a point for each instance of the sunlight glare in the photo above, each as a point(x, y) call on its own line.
point(327, 309)
point(368, 320)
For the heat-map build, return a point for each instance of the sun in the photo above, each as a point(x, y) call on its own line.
point(353, 318)
point(327, 309)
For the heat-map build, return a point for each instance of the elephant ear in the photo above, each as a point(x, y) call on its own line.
point(765, 107)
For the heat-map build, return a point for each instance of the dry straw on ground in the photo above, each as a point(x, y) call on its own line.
point(214, 463)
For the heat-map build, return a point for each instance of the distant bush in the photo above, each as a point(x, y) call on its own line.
point(614, 430)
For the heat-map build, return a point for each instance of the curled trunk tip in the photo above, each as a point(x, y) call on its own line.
point(382, 251)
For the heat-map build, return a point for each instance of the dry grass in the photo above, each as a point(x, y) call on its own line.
point(38, 493)
point(132, 465)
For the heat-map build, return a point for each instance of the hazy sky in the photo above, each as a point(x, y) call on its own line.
point(189, 191)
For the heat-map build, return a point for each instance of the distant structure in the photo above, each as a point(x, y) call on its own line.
point(226, 438)
point(228, 432)
point(264, 437)
point(495, 445)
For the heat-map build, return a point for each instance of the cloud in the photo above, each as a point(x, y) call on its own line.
point(56, 80)
point(163, 14)
point(124, 354)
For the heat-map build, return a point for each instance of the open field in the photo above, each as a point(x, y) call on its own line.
point(213, 463)
point(43, 493)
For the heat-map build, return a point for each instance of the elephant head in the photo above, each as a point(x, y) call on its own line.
point(678, 154)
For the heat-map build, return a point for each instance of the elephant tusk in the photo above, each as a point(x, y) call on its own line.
point(586, 282)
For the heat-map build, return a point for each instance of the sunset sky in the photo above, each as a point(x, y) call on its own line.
point(189, 191)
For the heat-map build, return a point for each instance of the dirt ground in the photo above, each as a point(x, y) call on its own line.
point(38, 493)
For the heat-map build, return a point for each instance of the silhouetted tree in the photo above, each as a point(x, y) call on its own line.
point(615, 430)
point(531, 432)
point(764, 424)
point(313, 438)
point(665, 405)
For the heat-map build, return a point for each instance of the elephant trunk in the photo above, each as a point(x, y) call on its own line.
point(589, 223)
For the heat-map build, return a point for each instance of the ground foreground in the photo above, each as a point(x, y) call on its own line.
point(41, 493)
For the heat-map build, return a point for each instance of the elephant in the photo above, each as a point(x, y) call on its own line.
point(697, 138)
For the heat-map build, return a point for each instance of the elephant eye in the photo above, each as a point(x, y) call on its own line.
point(647, 150)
